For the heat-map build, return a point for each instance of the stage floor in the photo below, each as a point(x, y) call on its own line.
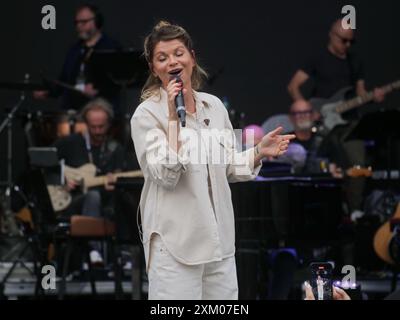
point(21, 284)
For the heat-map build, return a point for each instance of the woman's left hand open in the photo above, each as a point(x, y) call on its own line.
point(274, 144)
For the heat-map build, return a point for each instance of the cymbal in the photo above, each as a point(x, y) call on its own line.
point(21, 86)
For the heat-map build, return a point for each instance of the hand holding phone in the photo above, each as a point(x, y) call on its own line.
point(321, 280)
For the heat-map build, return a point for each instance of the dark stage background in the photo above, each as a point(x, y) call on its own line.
point(259, 45)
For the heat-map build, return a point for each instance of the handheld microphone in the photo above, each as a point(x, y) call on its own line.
point(180, 104)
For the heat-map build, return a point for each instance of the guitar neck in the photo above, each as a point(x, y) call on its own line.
point(360, 100)
point(102, 180)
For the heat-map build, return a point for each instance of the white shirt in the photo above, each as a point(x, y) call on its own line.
point(189, 205)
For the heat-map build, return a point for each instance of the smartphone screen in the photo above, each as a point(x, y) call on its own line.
point(321, 280)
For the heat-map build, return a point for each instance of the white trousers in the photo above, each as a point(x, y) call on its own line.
point(172, 280)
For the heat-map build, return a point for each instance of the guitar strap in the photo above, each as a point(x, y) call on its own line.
point(89, 150)
point(88, 147)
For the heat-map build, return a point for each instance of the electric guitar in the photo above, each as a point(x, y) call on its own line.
point(332, 109)
point(358, 171)
point(86, 177)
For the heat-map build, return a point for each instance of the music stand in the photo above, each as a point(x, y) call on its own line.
point(47, 169)
point(122, 67)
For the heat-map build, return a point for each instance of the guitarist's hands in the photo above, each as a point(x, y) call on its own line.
point(379, 95)
point(109, 186)
point(71, 184)
point(40, 94)
point(335, 171)
point(90, 91)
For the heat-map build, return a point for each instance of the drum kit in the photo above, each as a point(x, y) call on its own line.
point(41, 128)
point(42, 125)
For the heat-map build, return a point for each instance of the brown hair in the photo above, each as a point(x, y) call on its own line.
point(98, 104)
point(165, 31)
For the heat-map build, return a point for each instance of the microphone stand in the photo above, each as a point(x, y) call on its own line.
point(7, 122)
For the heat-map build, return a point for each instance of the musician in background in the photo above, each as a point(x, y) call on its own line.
point(77, 70)
point(96, 147)
point(332, 69)
point(303, 116)
point(305, 152)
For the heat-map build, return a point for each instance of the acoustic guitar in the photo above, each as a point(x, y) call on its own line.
point(86, 177)
point(383, 239)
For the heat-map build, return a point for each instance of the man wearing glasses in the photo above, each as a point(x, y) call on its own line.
point(77, 71)
point(331, 70)
point(302, 116)
point(307, 153)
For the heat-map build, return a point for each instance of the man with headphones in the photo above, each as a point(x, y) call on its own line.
point(95, 146)
point(77, 70)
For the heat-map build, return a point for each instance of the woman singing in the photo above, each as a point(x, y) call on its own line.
point(186, 208)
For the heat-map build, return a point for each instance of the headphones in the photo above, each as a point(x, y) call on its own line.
point(98, 16)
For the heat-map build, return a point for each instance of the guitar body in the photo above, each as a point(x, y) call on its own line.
point(60, 198)
point(318, 103)
point(327, 108)
point(85, 176)
point(330, 117)
point(332, 108)
point(81, 174)
point(383, 238)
